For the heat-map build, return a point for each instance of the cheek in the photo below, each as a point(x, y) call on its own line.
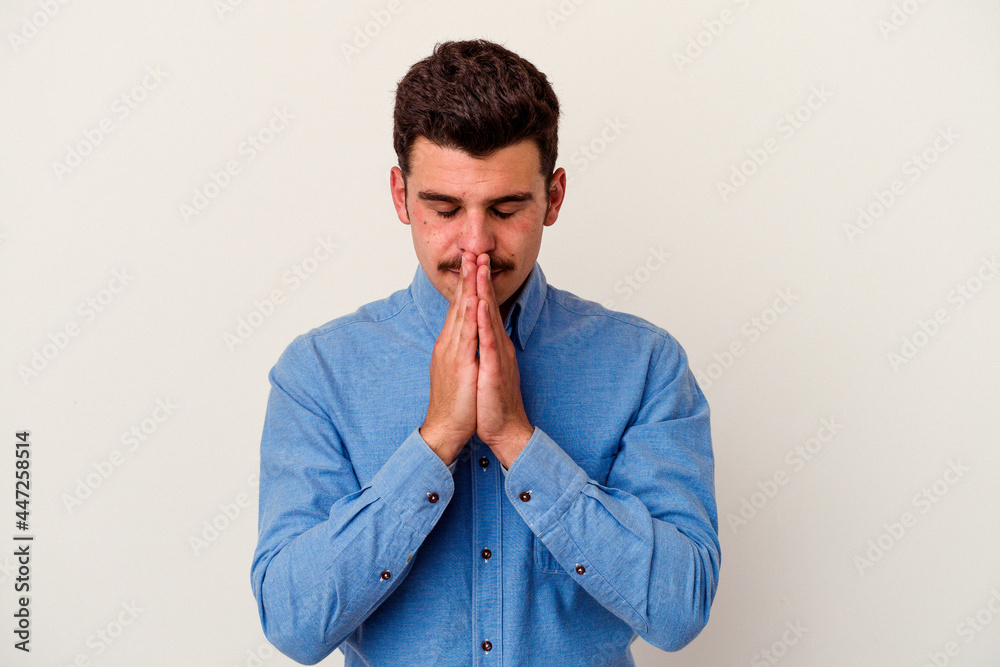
point(427, 232)
point(436, 243)
point(436, 237)
point(523, 236)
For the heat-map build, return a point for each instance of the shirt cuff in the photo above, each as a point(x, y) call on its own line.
point(415, 482)
point(543, 481)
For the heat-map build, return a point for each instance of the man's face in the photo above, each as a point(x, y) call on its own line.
point(496, 205)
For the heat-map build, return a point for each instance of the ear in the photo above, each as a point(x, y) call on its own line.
point(397, 188)
point(557, 191)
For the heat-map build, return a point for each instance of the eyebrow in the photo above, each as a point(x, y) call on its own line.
point(430, 195)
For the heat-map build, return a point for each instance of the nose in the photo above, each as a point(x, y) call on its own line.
point(477, 234)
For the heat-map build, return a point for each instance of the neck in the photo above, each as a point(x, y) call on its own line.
point(506, 305)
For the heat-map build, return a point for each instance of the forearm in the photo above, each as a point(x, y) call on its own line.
point(659, 580)
point(659, 575)
point(320, 586)
point(315, 587)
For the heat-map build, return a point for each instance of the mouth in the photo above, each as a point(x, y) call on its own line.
point(493, 273)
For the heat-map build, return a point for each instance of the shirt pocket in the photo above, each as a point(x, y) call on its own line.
point(597, 470)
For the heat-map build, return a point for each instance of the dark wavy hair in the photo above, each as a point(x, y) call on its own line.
point(479, 97)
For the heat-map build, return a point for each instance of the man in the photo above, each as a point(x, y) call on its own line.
point(483, 469)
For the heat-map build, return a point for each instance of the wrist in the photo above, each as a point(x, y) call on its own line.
point(519, 435)
point(509, 447)
point(437, 445)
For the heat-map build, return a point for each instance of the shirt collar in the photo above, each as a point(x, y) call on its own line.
point(521, 318)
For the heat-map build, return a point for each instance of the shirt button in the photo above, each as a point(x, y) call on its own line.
point(580, 569)
point(386, 574)
point(487, 645)
point(433, 497)
point(483, 462)
point(525, 496)
point(486, 553)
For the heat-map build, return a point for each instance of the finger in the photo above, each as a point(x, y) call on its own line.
point(469, 280)
point(456, 310)
point(490, 342)
point(469, 341)
point(460, 306)
point(467, 277)
point(485, 291)
point(468, 336)
point(487, 339)
point(456, 296)
point(498, 321)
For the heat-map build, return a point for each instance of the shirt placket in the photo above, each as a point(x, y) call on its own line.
point(487, 583)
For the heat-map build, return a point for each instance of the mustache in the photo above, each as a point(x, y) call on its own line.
point(495, 264)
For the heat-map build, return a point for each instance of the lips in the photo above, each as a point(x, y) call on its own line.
point(492, 273)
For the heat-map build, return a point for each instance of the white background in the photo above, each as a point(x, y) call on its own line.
point(692, 94)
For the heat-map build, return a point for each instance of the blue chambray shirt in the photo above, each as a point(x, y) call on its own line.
point(604, 529)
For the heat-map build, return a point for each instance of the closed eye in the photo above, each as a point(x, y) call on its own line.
point(452, 213)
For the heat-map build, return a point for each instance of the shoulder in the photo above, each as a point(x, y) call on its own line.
point(635, 345)
point(611, 325)
point(351, 330)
